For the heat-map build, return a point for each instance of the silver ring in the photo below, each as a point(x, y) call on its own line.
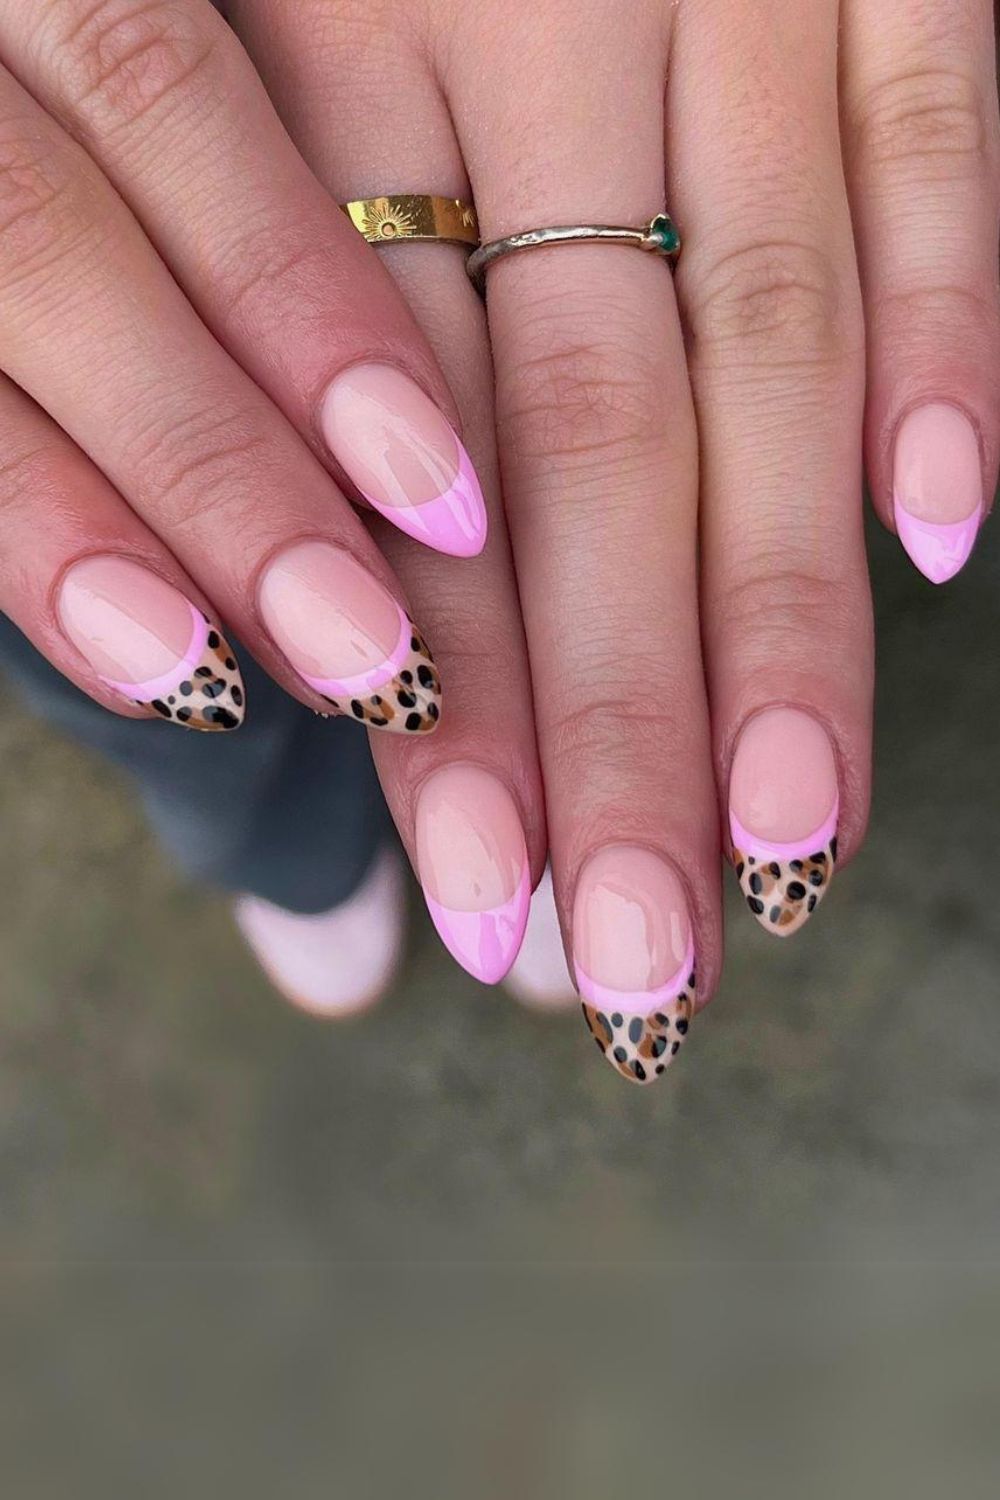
point(658, 236)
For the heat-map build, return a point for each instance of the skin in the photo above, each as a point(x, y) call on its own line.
point(631, 409)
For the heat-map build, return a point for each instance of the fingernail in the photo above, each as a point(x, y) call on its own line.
point(937, 489)
point(405, 458)
point(783, 805)
point(149, 643)
point(349, 640)
point(633, 952)
point(473, 866)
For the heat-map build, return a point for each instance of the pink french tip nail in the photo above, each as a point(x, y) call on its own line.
point(349, 640)
point(783, 809)
point(472, 861)
point(405, 458)
point(150, 644)
point(937, 489)
point(634, 958)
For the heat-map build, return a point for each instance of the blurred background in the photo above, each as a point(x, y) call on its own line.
point(781, 1259)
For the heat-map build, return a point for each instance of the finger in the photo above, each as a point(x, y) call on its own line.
point(95, 590)
point(468, 802)
point(164, 98)
point(600, 477)
point(922, 145)
point(94, 328)
point(769, 289)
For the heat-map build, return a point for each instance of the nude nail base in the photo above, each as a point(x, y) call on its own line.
point(205, 691)
point(784, 883)
point(402, 696)
point(641, 1033)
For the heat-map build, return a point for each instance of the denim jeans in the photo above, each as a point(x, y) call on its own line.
point(287, 807)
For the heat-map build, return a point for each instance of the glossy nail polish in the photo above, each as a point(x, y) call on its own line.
point(472, 861)
point(937, 489)
point(348, 639)
point(404, 457)
point(150, 644)
point(783, 806)
point(633, 954)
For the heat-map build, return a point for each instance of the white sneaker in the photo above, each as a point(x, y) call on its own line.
point(539, 976)
point(338, 962)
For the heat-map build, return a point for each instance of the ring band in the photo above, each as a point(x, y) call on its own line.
point(413, 216)
point(659, 236)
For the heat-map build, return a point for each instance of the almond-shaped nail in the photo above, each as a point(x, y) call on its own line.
point(472, 861)
point(633, 952)
point(783, 806)
point(150, 644)
point(405, 457)
point(937, 489)
point(349, 640)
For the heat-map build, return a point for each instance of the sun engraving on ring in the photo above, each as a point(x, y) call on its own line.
point(383, 222)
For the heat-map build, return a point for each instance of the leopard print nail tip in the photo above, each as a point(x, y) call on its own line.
point(784, 883)
point(403, 696)
point(641, 1043)
point(204, 691)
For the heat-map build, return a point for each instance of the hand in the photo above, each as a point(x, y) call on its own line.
point(197, 344)
point(552, 114)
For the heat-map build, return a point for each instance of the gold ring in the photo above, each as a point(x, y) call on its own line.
point(413, 216)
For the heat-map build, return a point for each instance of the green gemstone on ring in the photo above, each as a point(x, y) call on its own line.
point(663, 234)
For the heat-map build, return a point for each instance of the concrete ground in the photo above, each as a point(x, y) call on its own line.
point(838, 1105)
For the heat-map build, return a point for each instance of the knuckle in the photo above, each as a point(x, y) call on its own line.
point(40, 211)
point(614, 729)
point(269, 264)
point(581, 398)
point(941, 316)
point(774, 300)
point(30, 181)
point(929, 122)
point(199, 464)
point(786, 613)
point(28, 478)
point(117, 60)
